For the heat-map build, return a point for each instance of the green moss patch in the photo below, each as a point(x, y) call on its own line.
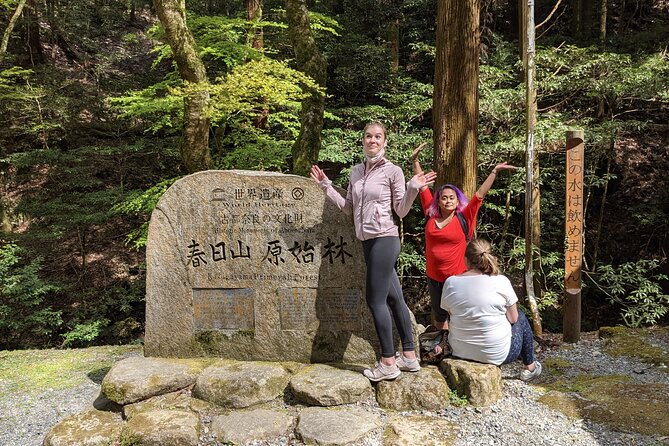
point(644, 344)
point(33, 371)
point(613, 401)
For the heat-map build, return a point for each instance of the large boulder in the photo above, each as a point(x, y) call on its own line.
point(423, 430)
point(162, 427)
point(253, 425)
point(324, 385)
point(336, 426)
point(480, 383)
point(90, 428)
point(423, 390)
point(138, 378)
point(241, 384)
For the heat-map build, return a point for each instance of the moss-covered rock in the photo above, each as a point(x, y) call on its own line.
point(90, 428)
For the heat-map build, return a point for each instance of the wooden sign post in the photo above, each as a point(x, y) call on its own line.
point(573, 256)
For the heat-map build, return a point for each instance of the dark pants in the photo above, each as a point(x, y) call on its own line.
point(522, 341)
point(436, 288)
point(384, 294)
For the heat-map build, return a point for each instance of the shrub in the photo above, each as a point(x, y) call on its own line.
point(23, 316)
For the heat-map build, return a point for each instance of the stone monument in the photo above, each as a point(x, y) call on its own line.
point(255, 266)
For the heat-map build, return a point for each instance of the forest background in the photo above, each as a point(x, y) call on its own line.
point(98, 114)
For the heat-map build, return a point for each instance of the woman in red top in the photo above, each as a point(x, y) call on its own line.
point(445, 240)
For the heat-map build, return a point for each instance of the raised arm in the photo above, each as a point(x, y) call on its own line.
point(325, 183)
point(487, 184)
point(417, 169)
point(404, 195)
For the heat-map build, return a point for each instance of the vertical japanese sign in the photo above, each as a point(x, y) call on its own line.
point(573, 235)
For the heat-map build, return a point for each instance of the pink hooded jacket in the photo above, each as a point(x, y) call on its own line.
point(373, 196)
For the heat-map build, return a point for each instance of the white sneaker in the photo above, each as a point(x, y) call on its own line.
point(380, 371)
point(526, 375)
point(405, 364)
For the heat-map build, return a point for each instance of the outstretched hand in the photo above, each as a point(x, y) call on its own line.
point(416, 151)
point(317, 174)
point(504, 166)
point(425, 179)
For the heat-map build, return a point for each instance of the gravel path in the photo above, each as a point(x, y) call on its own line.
point(517, 419)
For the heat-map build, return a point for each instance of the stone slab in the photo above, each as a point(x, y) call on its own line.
point(255, 266)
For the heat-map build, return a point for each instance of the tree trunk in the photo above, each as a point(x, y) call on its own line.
point(195, 144)
point(10, 27)
point(522, 29)
point(603, 10)
point(532, 196)
point(34, 39)
point(581, 17)
point(254, 15)
point(312, 63)
point(455, 100)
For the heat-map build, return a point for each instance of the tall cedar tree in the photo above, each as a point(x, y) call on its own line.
point(195, 145)
point(455, 101)
point(312, 63)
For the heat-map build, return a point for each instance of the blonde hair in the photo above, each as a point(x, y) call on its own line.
point(376, 124)
point(479, 255)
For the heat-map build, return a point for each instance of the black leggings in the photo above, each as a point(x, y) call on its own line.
point(436, 288)
point(522, 341)
point(384, 294)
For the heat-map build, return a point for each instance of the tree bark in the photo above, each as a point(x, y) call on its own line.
point(254, 15)
point(10, 27)
point(34, 39)
point(195, 144)
point(312, 63)
point(603, 10)
point(455, 100)
point(532, 192)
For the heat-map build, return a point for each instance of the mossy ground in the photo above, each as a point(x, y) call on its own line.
point(650, 345)
point(614, 400)
point(34, 371)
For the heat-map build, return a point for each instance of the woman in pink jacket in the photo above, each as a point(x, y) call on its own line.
point(377, 188)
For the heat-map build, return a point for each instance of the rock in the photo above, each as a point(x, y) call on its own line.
point(90, 428)
point(412, 430)
point(335, 426)
point(162, 427)
point(245, 426)
point(241, 384)
point(324, 385)
point(480, 383)
point(423, 390)
point(251, 265)
point(138, 378)
point(175, 400)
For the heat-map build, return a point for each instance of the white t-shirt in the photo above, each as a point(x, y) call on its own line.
point(478, 328)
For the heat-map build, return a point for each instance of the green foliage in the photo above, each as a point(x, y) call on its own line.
point(24, 318)
point(457, 400)
point(635, 288)
point(594, 77)
point(158, 107)
point(83, 334)
point(21, 114)
point(141, 203)
point(410, 259)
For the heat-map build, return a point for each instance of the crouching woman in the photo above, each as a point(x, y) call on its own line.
point(485, 323)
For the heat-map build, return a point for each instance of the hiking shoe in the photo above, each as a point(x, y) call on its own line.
point(380, 371)
point(526, 375)
point(405, 364)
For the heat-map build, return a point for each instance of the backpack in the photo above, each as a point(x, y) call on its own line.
point(463, 224)
point(429, 340)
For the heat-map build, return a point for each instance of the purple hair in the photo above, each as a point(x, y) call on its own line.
point(434, 211)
